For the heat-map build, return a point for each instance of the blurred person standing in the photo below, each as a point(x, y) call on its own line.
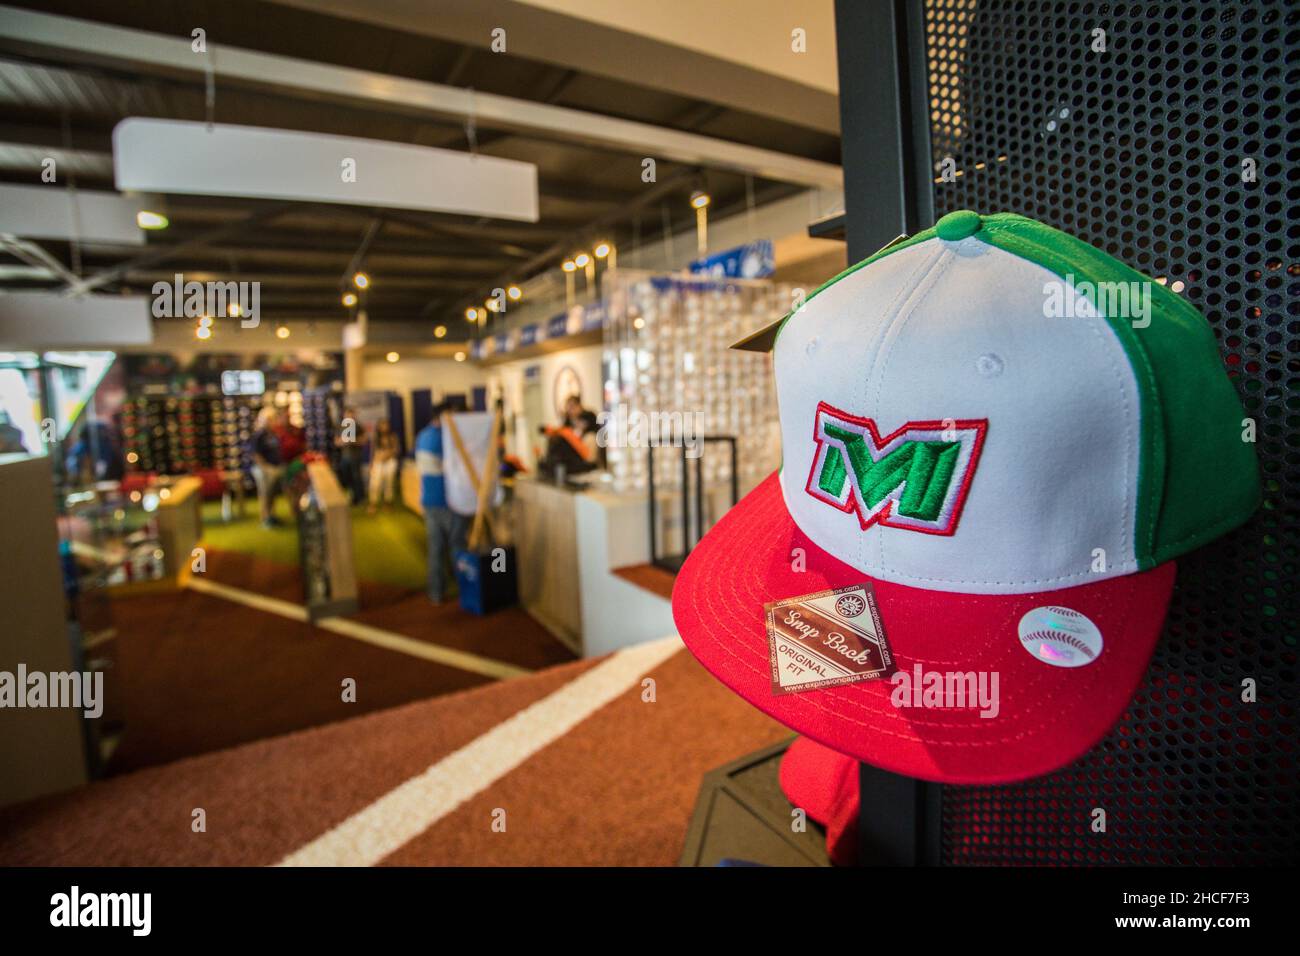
point(293, 438)
point(350, 442)
point(572, 447)
point(268, 462)
point(383, 465)
point(445, 531)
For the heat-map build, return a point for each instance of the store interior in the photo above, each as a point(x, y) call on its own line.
point(394, 468)
point(238, 631)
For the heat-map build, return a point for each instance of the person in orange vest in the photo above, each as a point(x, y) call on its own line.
point(572, 445)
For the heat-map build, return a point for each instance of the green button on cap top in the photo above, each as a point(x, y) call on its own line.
point(958, 225)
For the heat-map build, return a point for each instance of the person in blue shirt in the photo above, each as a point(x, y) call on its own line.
point(445, 530)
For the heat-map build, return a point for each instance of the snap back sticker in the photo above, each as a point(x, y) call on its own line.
point(826, 639)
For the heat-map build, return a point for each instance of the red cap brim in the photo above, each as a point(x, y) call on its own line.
point(1046, 716)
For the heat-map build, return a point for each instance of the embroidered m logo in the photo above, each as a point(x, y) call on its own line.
point(915, 478)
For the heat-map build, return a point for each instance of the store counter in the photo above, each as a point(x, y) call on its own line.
point(180, 525)
point(568, 544)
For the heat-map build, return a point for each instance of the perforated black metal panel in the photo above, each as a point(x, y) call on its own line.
point(1146, 149)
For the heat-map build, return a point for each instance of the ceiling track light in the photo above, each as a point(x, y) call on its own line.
point(700, 200)
point(146, 219)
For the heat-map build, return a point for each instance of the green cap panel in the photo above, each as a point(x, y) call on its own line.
point(1197, 478)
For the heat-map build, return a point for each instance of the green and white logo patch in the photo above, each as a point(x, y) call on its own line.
point(914, 478)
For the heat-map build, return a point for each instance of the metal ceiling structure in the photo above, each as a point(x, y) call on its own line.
point(70, 70)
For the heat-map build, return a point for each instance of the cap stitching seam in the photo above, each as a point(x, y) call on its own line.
point(1128, 522)
point(929, 281)
point(1152, 495)
point(1076, 576)
point(894, 313)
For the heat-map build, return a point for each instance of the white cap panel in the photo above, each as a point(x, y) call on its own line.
point(954, 333)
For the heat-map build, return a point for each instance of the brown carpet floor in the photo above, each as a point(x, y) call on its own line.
point(261, 800)
point(509, 635)
point(197, 673)
point(650, 578)
point(257, 574)
point(616, 790)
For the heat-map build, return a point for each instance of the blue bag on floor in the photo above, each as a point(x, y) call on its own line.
point(484, 589)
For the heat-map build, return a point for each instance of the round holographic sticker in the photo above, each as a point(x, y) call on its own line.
point(1060, 636)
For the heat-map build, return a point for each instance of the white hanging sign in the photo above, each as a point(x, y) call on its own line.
point(176, 156)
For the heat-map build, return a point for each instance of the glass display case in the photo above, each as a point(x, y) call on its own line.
point(43, 396)
point(23, 404)
point(668, 364)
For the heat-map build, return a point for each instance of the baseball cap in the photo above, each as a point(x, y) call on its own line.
point(824, 784)
point(998, 438)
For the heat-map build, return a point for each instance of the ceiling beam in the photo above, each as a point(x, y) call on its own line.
point(160, 254)
point(550, 255)
point(76, 40)
point(52, 137)
point(273, 243)
point(463, 235)
point(325, 283)
point(609, 44)
point(34, 255)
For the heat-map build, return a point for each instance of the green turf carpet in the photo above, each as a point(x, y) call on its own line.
point(387, 547)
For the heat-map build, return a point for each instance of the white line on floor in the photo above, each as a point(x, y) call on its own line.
point(430, 652)
point(450, 657)
point(402, 814)
point(261, 602)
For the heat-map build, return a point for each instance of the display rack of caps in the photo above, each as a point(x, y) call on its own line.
point(316, 418)
point(291, 401)
point(668, 360)
point(175, 435)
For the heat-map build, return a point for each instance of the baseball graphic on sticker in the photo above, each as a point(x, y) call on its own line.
point(1060, 636)
point(849, 605)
